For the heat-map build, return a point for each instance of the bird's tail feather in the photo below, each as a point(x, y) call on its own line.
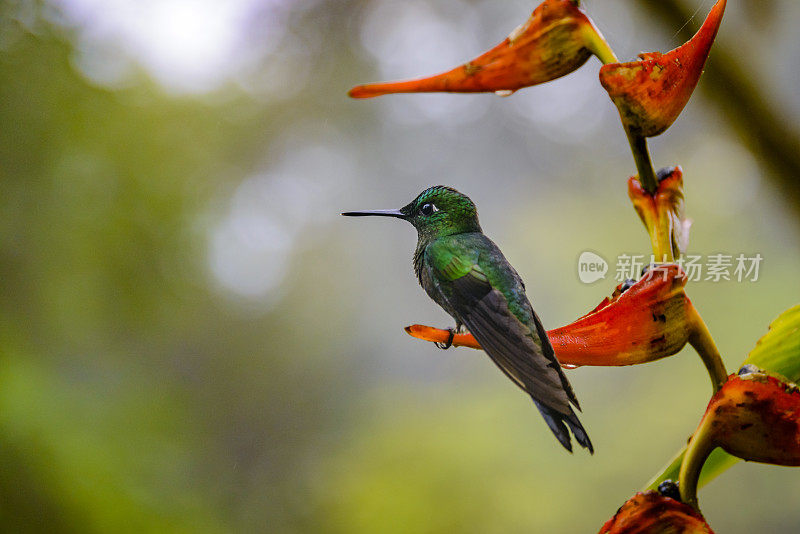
point(555, 420)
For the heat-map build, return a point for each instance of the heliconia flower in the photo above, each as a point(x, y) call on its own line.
point(777, 351)
point(651, 319)
point(652, 92)
point(663, 213)
point(652, 513)
point(755, 416)
point(557, 39)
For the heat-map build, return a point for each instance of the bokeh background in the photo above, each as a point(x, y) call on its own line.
point(193, 340)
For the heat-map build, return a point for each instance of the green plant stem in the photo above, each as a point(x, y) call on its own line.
point(730, 85)
point(718, 462)
point(598, 45)
point(641, 156)
point(700, 446)
point(661, 238)
point(700, 338)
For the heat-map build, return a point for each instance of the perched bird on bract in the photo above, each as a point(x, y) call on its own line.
point(465, 273)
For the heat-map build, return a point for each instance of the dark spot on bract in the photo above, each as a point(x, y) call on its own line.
point(664, 173)
point(626, 285)
point(748, 369)
point(660, 317)
point(669, 488)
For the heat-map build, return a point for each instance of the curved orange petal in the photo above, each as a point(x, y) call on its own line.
point(556, 39)
point(652, 92)
point(758, 419)
point(651, 320)
point(652, 513)
point(663, 213)
point(754, 416)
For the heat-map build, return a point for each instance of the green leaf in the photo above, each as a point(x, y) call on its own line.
point(778, 351)
point(717, 462)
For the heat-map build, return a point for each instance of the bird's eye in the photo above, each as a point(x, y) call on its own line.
point(428, 209)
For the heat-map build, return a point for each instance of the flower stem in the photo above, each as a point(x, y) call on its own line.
point(661, 238)
point(598, 45)
point(700, 446)
point(641, 156)
point(600, 48)
point(700, 338)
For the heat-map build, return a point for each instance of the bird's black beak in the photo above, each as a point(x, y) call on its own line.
point(379, 213)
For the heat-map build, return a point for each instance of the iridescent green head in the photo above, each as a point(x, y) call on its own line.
point(438, 211)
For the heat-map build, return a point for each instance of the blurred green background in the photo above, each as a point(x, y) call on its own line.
point(192, 339)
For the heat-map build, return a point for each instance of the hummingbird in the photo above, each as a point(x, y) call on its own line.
point(465, 273)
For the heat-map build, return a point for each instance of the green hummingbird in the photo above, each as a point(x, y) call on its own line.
point(465, 273)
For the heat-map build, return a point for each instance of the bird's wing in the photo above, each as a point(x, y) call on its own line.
point(516, 347)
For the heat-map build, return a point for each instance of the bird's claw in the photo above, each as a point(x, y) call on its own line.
point(449, 342)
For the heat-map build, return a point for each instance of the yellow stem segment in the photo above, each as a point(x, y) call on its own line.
point(700, 338)
point(600, 48)
point(661, 237)
point(598, 45)
point(641, 156)
point(700, 446)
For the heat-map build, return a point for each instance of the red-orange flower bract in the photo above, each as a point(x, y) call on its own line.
point(757, 418)
point(652, 319)
point(652, 513)
point(663, 213)
point(556, 40)
point(652, 92)
point(754, 416)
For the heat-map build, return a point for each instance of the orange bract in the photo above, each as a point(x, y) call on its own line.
point(555, 40)
point(662, 213)
point(756, 417)
point(652, 92)
point(651, 320)
point(652, 513)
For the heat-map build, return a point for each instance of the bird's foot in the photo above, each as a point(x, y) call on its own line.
point(449, 342)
